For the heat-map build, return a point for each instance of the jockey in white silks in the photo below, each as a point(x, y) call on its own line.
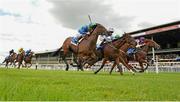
point(105, 39)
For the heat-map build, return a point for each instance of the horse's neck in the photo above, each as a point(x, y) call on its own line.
point(13, 54)
point(125, 47)
point(145, 48)
point(30, 56)
point(92, 39)
point(118, 43)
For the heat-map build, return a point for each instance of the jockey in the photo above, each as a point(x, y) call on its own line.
point(28, 52)
point(106, 38)
point(86, 29)
point(20, 51)
point(11, 52)
point(140, 42)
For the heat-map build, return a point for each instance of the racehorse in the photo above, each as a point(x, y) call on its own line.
point(10, 59)
point(141, 54)
point(116, 51)
point(85, 49)
point(27, 59)
point(20, 58)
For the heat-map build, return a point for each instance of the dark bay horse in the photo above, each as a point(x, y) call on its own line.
point(116, 52)
point(140, 55)
point(85, 49)
point(27, 59)
point(19, 59)
point(10, 59)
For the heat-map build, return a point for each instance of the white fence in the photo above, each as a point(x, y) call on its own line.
point(159, 67)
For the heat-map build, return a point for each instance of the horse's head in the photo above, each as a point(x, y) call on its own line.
point(31, 53)
point(101, 30)
point(130, 40)
point(151, 43)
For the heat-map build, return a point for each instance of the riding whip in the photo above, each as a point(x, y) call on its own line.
point(89, 18)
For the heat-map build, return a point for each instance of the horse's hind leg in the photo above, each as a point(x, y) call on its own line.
point(103, 63)
point(129, 67)
point(80, 66)
point(120, 69)
point(65, 61)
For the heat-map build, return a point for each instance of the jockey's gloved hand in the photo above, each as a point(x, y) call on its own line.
point(88, 33)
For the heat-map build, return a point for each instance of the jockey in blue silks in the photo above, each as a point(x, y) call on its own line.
point(140, 42)
point(86, 29)
point(27, 52)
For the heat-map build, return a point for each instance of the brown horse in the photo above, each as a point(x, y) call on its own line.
point(115, 52)
point(19, 59)
point(27, 59)
point(10, 59)
point(85, 49)
point(140, 55)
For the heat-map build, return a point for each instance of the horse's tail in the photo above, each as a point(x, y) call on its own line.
point(57, 51)
point(4, 61)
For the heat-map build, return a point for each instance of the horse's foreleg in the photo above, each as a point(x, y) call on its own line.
point(6, 65)
point(19, 65)
point(103, 63)
point(142, 66)
point(30, 64)
point(14, 64)
point(120, 69)
point(114, 64)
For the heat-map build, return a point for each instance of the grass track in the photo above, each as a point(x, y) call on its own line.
point(61, 85)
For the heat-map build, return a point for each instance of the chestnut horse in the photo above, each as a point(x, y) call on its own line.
point(85, 49)
point(140, 55)
point(27, 59)
point(115, 52)
point(10, 59)
point(19, 59)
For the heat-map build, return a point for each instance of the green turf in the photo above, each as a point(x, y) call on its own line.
point(61, 85)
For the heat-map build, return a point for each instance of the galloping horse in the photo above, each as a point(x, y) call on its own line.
point(20, 58)
point(141, 54)
point(10, 59)
point(115, 52)
point(27, 59)
point(85, 49)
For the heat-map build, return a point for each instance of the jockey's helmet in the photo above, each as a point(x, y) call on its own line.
point(21, 49)
point(116, 36)
point(142, 38)
point(111, 30)
point(92, 25)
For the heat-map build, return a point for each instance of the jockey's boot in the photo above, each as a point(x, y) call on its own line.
point(78, 38)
